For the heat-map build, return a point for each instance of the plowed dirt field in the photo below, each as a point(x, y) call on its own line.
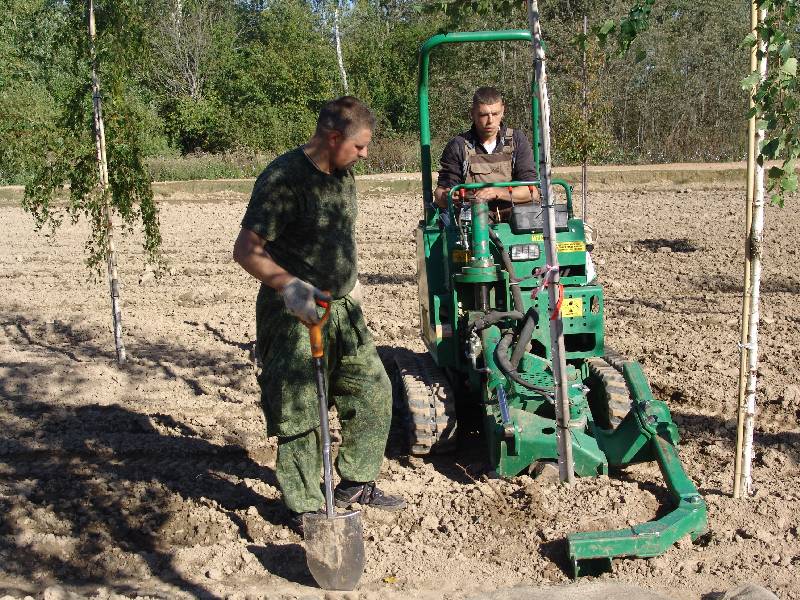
point(156, 479)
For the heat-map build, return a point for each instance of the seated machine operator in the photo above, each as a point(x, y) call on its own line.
point(489, 152)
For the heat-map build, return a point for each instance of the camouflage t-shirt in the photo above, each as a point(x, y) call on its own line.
point(308, 219)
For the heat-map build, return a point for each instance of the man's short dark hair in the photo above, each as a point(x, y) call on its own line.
point(486, 95)
point(348, 115)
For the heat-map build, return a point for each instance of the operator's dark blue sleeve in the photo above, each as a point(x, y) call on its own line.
point(451, 165)
point(524, 169)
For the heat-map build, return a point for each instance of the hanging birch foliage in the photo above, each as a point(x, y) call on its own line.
point(65, 183)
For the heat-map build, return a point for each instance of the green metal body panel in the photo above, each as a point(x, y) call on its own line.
point(536, 437)
point(461, 276)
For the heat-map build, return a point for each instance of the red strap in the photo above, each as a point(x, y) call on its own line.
point(554, 316)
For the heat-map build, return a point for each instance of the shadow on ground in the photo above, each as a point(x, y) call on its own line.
point(93, 493)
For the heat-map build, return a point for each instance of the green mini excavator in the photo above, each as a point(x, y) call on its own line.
point(485, 326)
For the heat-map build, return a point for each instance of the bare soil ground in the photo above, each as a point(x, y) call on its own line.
point(156, 479)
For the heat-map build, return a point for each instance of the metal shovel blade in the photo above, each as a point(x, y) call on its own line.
point(335, 549)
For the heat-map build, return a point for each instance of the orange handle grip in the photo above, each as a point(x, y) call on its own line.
point(315, 331)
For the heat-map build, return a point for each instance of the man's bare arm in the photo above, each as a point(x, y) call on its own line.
point(521, 195)
point(249, 252)
point(440, 196)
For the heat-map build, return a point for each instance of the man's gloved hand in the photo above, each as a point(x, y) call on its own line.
point(300, 298)
point(356, 292)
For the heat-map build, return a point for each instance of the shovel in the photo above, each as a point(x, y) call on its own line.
point(334, 542)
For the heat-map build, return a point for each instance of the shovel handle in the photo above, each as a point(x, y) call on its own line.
point(315, 330)
point(318, 352)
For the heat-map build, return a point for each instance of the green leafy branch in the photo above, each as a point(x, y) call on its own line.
point(65, 180)
point(628, 28)
point(457, 11)
point(776, 98)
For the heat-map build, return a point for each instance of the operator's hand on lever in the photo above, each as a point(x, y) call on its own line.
point(440, 196)
point(300, 298)
point(492, 193)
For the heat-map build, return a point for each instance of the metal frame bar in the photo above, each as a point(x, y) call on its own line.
point(507, 35)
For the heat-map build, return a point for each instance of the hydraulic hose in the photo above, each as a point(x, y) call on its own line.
point(516, 294)
point(524, 337)
point(504, 364)
point(493, 317)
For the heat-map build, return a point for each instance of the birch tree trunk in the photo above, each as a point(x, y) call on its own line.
point(100, 144)
point(585, 111)
point(338, 41)
point(566, 467)
point(756, 242)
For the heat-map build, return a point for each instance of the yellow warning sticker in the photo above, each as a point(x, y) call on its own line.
point(571, 307)
point(571, 246)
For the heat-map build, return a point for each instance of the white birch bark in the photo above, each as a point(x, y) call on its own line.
point(338, 41)
point(566, 467)
point(756, 252)
point(100, 145)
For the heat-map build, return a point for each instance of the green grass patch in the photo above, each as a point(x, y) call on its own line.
point(226, 165)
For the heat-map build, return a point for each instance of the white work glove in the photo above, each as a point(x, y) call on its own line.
point(355, 293)
point(300, 298)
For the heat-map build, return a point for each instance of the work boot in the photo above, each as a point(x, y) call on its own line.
point(366, 494)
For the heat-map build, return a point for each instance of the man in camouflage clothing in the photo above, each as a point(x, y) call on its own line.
point(298, 239)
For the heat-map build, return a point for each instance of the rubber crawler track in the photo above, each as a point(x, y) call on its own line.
point(430, 402)
point(617, 400)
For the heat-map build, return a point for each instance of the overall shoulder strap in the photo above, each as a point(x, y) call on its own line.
point(469, 152)
point(508, 146)
point(508, 140)
point(469, 147)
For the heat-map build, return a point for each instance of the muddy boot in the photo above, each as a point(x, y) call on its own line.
point(366, 494)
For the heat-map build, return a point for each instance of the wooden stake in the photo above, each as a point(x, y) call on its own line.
point(746, 291)
point(566, 467)
point(100, 144)
point(755, 242)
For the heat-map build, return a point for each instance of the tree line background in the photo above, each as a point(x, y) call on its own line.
point(215, 88)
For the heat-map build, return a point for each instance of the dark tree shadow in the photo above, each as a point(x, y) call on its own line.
point(384, 279)
point(678, 306)
point(678, 245)
point(218, 335)
point(697, 425)
point(732, 284)
point(112, 479)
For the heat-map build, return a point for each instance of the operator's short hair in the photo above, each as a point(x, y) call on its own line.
point(486, 95)
point(348, 115)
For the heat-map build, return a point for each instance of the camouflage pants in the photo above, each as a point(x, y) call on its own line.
point(357, 385)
